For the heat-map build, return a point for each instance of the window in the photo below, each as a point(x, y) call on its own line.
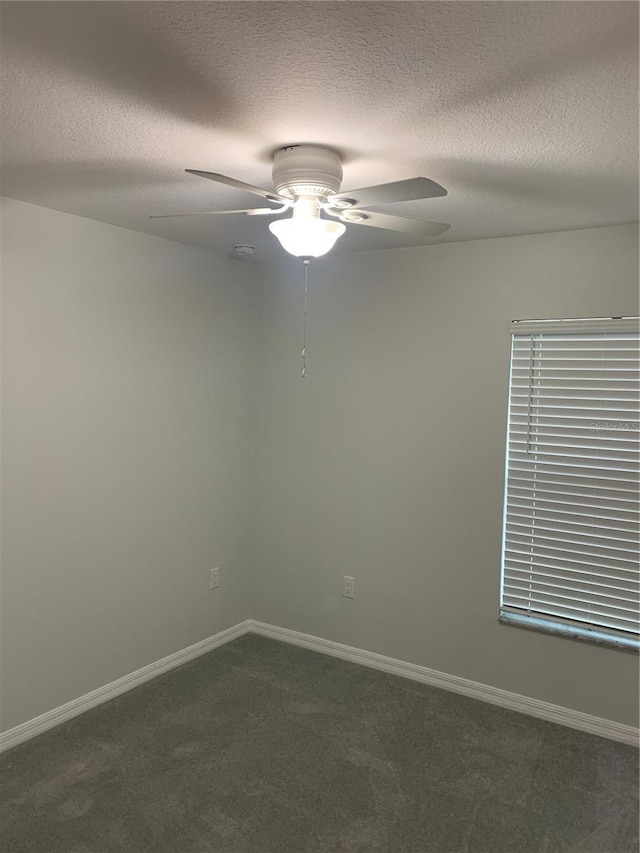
point(570, 538)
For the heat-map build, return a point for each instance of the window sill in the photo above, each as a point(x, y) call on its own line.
point(530, 623)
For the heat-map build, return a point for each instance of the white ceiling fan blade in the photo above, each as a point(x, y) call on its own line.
point(415, 227)
point(256, 211)
point(408, 190)
point(239, 185)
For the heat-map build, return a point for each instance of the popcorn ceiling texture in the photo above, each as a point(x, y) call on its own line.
point(526, 111)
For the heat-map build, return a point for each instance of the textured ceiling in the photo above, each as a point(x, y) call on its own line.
point(526, 112)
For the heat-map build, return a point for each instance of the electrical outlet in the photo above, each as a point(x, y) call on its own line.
point(214, 578)
point(348, 587)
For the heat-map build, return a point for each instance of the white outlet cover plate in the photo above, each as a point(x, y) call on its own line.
point(348, 587)
point(214, 578)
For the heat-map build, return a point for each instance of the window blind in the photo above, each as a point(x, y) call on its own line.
point(571, 532)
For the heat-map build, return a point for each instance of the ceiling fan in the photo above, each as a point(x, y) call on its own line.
point(307, 181)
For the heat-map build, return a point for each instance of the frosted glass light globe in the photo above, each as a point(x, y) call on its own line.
point(307, 236)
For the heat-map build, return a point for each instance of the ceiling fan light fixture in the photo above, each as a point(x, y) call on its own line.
point(307, 236)
point(307, 180)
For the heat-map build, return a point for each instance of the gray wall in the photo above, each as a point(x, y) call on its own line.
point(387, 462)
point(154, 424)
point(128, 365)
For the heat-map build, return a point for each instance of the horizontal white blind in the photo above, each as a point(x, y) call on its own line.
point(571, 532)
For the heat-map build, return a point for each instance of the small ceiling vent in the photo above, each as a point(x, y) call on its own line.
point(243, 251)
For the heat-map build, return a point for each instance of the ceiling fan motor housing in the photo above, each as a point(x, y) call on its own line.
point(306, 170)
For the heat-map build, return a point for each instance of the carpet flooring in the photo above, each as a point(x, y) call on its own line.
point(260, 747)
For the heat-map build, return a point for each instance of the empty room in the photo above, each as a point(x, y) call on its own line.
point(320, 417)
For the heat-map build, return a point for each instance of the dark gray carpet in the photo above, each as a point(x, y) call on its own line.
point(260, 747)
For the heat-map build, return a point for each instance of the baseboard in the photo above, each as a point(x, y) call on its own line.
point(52, 718)
point(475, 690)
point(514, 701)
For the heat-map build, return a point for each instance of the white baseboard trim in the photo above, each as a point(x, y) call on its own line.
point(38, 725)
point(475, 690)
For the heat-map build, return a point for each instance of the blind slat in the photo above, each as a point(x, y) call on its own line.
point(536, 587)
point(524, 560)
point(522, 522)
point(555, 469)
point(602, 516)
point(559, 546)
point(580, 579)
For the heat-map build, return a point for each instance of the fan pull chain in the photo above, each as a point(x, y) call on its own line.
point(304, 325)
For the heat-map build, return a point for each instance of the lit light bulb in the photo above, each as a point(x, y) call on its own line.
point(307, 236)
